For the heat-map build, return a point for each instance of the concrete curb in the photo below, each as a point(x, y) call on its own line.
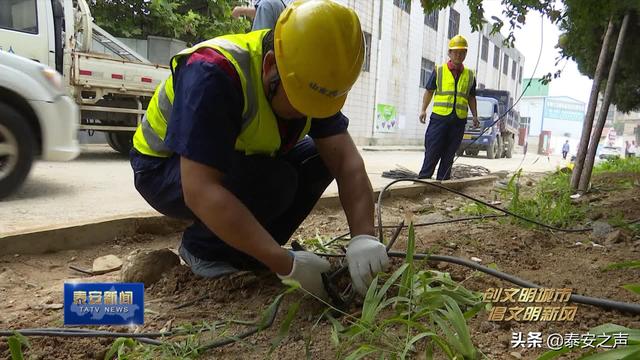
point(414, 189)
point(102, 231)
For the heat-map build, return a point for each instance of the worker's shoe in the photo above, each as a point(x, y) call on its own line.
point(204, 268)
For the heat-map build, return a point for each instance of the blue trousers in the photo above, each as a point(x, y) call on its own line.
point(441, 141)
point(279, 191)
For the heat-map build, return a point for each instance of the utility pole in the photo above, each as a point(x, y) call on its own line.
point(602, 116)
point(591, 110)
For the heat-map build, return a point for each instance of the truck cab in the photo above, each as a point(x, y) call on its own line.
point(484, 137)
point(111, 89)
point(498, 126)
point(28, 31)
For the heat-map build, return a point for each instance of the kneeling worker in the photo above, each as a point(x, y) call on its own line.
point(246, 135)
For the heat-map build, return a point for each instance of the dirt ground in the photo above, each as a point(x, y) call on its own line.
point(31, 286)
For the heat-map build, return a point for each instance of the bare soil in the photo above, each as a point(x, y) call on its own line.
point(31, 285)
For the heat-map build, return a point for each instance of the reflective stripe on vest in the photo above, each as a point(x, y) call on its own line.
point(447, 93)
point(259, 132)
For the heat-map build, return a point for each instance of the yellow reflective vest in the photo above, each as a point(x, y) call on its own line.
point(447, 94)
point(259, 132)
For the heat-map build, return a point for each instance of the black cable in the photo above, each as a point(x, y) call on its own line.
point(144, 337)
point(266, 323)
point(580, 299)
point(505, 211)
point(65, 332)
point(57, 332)
point(480, 217)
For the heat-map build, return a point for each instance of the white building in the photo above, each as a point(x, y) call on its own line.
point(559, 118)
point(403, 46)
point(630, 121)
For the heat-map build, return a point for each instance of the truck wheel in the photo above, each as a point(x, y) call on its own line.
point(16, 150)
point(492, 150)
point(120, 141)
point(509, 151)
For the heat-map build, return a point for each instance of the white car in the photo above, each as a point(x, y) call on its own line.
point(37, 118)
point(610, 152)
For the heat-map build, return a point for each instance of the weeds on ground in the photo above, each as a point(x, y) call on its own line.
point(477, 209)
point(130, 349)
point(188, 347)
point(413, 311)
point(16, 342)
point(191, 343)
point(633, 264)
point(618, 165)
point(319, 243)
point(550, 203)
point(624, 344)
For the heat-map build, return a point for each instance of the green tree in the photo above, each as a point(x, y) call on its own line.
point(515, 11)
point(188, 20)
point(583, 25)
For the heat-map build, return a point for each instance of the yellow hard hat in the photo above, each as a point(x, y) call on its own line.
point(458, 42)
point(319, 48)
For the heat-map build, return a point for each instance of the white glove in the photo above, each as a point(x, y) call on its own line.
point(366, 256)
point(307, 270)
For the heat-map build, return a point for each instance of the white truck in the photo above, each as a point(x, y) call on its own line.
point(112, 91)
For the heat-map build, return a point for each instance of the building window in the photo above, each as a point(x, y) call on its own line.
point(485, 49)
point(520, 75)
point(454, 23)
point(514, 69)
point(496, 56)
point(431, 19)
point(404, 5)
point(19, 15)
point(425, 72)
point(367, 54)
point(505, 65)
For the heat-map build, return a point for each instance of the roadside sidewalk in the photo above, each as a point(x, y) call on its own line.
point(99, 185)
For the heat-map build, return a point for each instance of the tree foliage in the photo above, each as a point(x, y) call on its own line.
point(515, 11)
point(188, 20)
point(583, 23)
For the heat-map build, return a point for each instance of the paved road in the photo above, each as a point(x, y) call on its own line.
point(99, 185)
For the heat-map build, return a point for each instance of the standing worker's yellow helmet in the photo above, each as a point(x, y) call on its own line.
point(458, 42)
point(319, 48)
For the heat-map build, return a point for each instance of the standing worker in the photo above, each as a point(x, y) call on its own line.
point(267, 13)
point(264, 13)
point(633, 149)
point(223, 143)
point(565, 150)
point(455, 91)
point(247, 11)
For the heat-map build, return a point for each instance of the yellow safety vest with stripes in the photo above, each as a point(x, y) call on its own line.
point(447, 93)
point(259, 132)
